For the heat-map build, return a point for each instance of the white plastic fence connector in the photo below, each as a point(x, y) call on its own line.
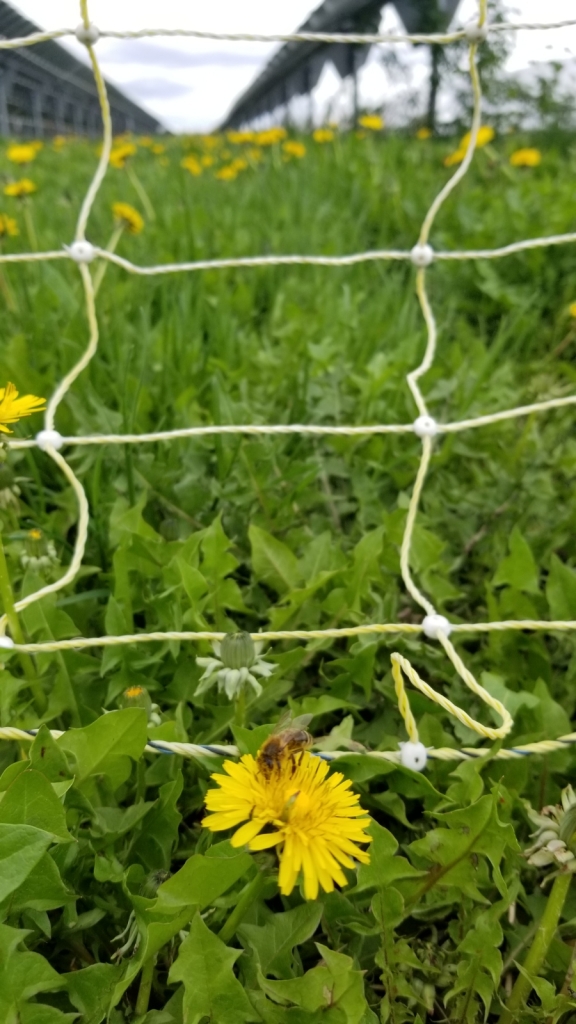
point(476, 33)
point(422, 255)
point(425, 426)
point(434, 624)
point(49, 439)
point(6, 643)
point(87, 34)
point(81, 251)
point(413, 755)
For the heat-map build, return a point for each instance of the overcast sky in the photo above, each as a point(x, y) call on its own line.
point(189, 85)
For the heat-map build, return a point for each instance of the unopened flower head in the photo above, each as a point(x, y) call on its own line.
point(235, 665)
point(40, 552)
point(128, 217)
point(20, 189)
point(312, 818)
point(555, 836)
point(21, 152)
point(8, 226)
point(526, 158)
point(373, 122)
point(13, 408)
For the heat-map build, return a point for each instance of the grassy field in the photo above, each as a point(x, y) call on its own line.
point(234, 533)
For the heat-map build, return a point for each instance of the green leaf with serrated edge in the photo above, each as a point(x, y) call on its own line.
point(42, 1013)
point(205, 967)
point(43, 889)
point(336, 984)
point(272, 561)
point(21, 848)
point(91, 990)
point(274, 942)
point(561, 590)
point(47, 757)
point(202, 879)
point(385, 865)
point(30, 800)
point(518, 569)
point(104, 746)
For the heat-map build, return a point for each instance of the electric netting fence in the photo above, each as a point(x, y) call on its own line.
point(422, 256)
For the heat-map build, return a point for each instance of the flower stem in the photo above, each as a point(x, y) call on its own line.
point(30, 229)
point(142, 193)
point(250, 893)
point(240, 707)
point(103, 264)
point(143, 997)
point(7, 598)
point(539, 948)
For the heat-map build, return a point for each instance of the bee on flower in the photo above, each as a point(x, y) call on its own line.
point(13, 408)
point(286, 798)
point(20, 189)
point(127, 217)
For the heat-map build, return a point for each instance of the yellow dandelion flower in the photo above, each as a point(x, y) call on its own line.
point(21, 152)
point(270, 136)
point(134, 691)
point(13, 408)
point(424, 133)
point(227, 173)
point(37, 144)
point(192, 164)
point(239, 164)
point(485, 135)
point(146, 141)
point(323, 135)
point(572, 310)
point(8, 226)
point(254, 154)
point(313, 818)
point(35, 534)
point(206, 160)
point(238, 138)
point(128, 217)
point(158, 148)
point(373, 122)
point(120, 154)
point(58, 142)
point(211, 141)
point(19, 189)
point(293, 148)
point(526, 158)
point(454, 158)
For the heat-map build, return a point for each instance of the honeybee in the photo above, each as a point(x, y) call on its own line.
point(288, 739)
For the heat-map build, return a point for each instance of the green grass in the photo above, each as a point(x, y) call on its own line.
point(180, 539)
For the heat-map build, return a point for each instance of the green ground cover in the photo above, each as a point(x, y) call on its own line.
point(287, 533)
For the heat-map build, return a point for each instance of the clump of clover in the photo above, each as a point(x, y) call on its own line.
point(235, 665)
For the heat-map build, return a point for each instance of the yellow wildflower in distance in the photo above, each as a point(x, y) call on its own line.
point(237, 138)
point(192, 164)
point(572, 310)
point(313, 818)
point(227, 173)
point(294, 148)
point(454, 158)
point(58, 142)
point(323, 135)
point(8, 226)
point(120, 154)
point(211, 141)
point(128, 217)
point(21, 152)
point(158, 148)
point(206, 160)
point(146, 141)
point(19, 189)
point(239, 164)
point(373, 122)
point(423, 133)
point(526, 158)
point(270, 136)
point(13, 408)
point(485, 135)
point(255, 154)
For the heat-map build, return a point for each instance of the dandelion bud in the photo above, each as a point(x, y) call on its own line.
point(237, 650)
point(136, 697)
